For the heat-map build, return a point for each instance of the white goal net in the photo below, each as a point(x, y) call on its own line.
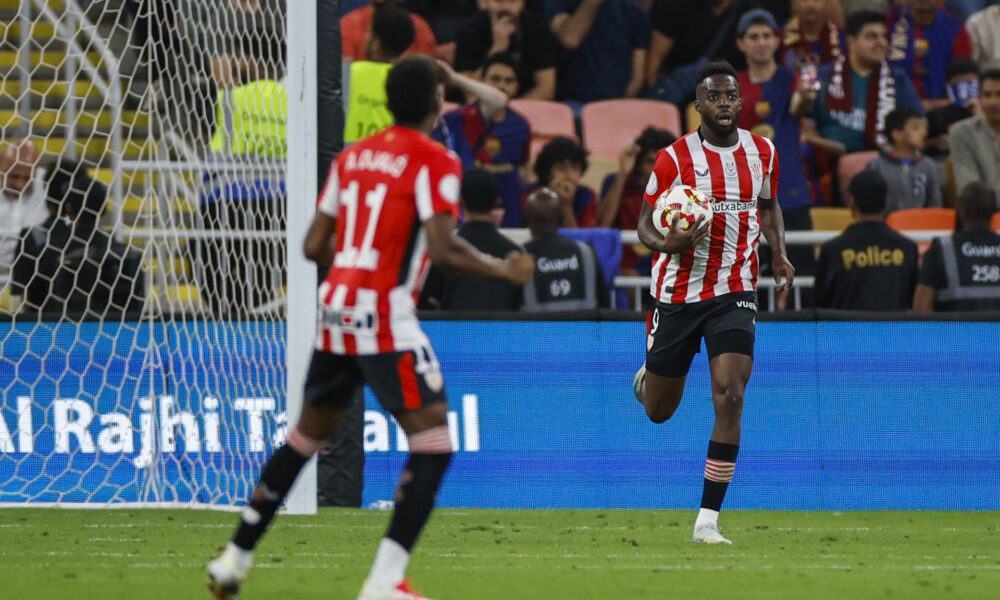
point(143, 279)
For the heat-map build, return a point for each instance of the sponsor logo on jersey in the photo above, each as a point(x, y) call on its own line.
point(747, 304)
point(729, 206)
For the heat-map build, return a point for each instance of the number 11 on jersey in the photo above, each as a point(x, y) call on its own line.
point(363, 256)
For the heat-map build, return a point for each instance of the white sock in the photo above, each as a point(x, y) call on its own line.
point(243, 559)
point(390, 564)
point(706, 516)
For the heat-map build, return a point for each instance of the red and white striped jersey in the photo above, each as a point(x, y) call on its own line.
point(381, 190)
point(726, 260)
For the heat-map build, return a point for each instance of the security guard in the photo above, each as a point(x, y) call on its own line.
point(961, 272)
point(390, 35)
point(568, 275)
point(869, 266)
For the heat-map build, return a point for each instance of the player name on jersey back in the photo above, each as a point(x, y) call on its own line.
point(734, 178)
point(381, 190)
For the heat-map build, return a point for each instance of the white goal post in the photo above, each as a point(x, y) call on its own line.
point(156, 310)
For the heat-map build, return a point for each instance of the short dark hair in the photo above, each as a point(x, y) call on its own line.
point(898, 117)
point(411, 89)
point(719, 67)
point(989, 74)
point(560, 149)
point(979, 201)
point(869, 191)
point(857, 21)
point(653, 139)
point(480, 193)
point(501, 58)
point(962, 66)
point(394, 29)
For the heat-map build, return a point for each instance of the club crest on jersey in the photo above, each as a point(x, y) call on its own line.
point(756, 169)
point(346, 319)
point(434, 380)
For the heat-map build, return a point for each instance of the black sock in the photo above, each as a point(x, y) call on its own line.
point(276, 479)
point(415, 497)
point(718, 473)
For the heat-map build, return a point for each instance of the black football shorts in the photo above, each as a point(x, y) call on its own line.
point(674, 331)
point(400, 380)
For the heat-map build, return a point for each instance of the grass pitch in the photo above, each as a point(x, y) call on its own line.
point(482, 554)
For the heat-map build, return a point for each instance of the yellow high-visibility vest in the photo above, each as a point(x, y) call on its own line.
point(250, 119)
point(367, 112)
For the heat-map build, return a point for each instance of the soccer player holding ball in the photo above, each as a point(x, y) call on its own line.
point(704, 276)
point(388, 209)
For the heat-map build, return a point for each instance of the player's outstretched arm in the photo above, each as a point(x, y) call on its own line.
point(677, 240)
point(451, 251)
point(772, 224)
point(319, 244)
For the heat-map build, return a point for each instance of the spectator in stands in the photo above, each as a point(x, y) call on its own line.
point(391, 33)
point(859, 90)
point(975, 142)
point(446, 17)
point(67, 265)
point(250, 118)
point(963, 93)
point(449, 291)
point(984, 35)
point(489, 134)
point(504, 26)
point(355, 25)
point(910, 176)
point(811, 33)
point(568, 275)
point(605, 43)
point(23, 202)
point(560, 167)
point(774, 100)
point(622, 192)
point(869, 266)
point(686, 35)
point(923, 39)
point(961, 272)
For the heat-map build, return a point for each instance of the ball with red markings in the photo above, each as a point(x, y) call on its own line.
point(687, 203)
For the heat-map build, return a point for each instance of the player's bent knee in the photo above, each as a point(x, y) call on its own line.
point(659, 413)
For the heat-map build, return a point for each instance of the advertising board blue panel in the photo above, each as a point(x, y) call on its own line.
point(838, 416)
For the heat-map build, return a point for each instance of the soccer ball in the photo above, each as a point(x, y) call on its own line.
point(684, 201)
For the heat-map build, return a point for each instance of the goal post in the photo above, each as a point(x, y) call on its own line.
point(154, 342)
point(302, 184)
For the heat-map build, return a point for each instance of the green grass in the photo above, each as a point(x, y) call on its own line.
point(480, 554)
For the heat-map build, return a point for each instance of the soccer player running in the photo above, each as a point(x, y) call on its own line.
point(389, 202)
point(704, 278)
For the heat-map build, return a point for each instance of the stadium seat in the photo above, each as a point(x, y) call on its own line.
point(547, 120)
point(921, 219)
point(848, 166)
point(692, 118)
point(830, 218)
point(995, 223)
point(597, 169)
point(611, 125)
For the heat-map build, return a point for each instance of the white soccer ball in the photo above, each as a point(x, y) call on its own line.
point(684, 201)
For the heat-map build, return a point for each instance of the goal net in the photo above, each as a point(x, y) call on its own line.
point(143, 329)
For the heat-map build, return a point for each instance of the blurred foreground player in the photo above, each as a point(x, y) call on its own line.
point(397, 192)
point(704, 279)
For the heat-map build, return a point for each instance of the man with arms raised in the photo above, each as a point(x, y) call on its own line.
point(704, 279)
point(390, 202)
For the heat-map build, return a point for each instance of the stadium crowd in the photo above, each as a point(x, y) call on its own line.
point(909, 90)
